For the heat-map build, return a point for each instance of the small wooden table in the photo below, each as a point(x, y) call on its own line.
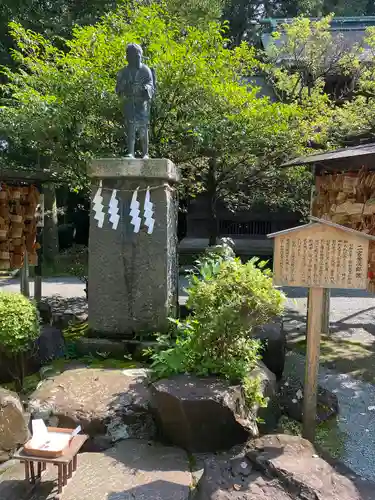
point(66, 464)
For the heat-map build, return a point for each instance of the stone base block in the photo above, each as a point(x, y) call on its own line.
point(133, 272)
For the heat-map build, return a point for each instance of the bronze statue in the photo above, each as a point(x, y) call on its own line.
point(135, 88)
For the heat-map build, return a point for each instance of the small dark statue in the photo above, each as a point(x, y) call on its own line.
point(135, 88)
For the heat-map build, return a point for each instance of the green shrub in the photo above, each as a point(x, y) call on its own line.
point(19, 322)
point(228, 299)
point(213, 257)
point(237, 295)
point(19, 327)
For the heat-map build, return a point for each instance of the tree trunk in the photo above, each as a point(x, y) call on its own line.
point(50, 232)
point(211, 190)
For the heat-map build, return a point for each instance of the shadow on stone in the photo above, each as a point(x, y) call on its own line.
point(163, 490)
point(16, 489)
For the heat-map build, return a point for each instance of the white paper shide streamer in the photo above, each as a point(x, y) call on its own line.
point(98, 206)
point(134, 212)
point(113, 210)
point(148, 212)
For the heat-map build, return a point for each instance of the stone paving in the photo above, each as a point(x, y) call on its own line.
point(352, 317)
point(134, 469)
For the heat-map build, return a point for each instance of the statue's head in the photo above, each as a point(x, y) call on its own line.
point(134, 55)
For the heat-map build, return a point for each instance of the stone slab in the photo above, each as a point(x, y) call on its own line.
point(111, 403)
point(152, 168)
point(134, 469)
point(279, 467)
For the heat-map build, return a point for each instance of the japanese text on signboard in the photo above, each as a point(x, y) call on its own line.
point(326, 260)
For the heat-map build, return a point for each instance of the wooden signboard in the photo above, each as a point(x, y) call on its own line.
point(319, 255)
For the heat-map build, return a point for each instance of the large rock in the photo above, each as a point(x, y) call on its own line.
point(290, 398)
point(111, 404)
point(132, 470)
point(206, 414)
point(49, 346)
point(280, 467)
point(269, 416)
point(14, 430)
point(273, 338)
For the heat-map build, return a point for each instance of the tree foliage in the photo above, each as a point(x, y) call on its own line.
point(241, 14)
point(19, 329)
point(312, 55)
point(55, 19)
point(60, 108)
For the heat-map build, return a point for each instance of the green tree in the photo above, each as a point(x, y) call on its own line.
point(354, 121)
point(300, 64)
point(243, 14)
point(52, 19)
point(60, 109)
point(19, 329)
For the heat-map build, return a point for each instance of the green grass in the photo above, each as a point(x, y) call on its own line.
point(58, 366)
point(67, 264)
point(72, 262)
point(344, 356)
point(30, 384)
point(328, 436)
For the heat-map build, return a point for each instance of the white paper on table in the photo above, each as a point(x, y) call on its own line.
point(40, 433)
point(50, 441)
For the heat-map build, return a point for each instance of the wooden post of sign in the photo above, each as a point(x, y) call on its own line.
point(25, 277)
point(326, 311)
point(314, 324)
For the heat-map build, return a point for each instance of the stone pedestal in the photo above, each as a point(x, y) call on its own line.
point(133, 277)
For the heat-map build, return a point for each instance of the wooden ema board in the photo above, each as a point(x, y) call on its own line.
point(321, 256)
point(348, 199)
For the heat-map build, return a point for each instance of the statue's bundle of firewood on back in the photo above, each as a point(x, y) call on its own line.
point(349, 199)
point(18, 225)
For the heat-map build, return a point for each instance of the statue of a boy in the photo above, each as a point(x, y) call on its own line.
point(135, 88)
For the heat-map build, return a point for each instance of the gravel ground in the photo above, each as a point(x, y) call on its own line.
point(64, 287)
point(352, 317)
point(352, 314)
point(356, 417)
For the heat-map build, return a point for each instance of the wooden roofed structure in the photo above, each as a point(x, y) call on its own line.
point(12, 179)
point(344, 193)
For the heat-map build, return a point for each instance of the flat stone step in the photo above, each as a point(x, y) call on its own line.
point(134, 469)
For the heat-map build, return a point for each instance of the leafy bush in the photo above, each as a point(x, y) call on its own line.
point(19, 322)
point(210, 263)
point(19, 327)
point(228, 299)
